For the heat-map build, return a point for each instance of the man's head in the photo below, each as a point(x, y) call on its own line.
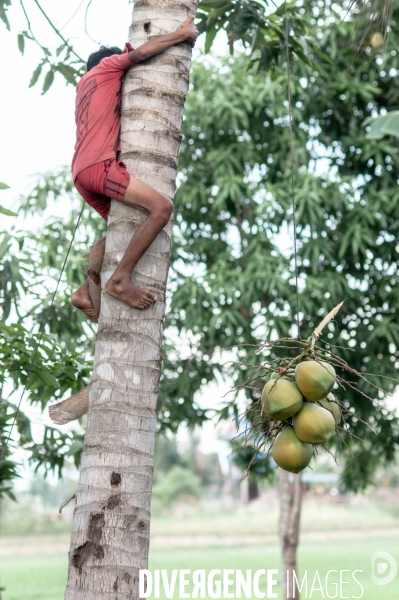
point(95, 58)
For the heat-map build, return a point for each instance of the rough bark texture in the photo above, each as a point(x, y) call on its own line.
point(111, 523)
point(290, 514)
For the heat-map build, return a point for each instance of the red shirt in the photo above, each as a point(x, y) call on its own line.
point(97, 114)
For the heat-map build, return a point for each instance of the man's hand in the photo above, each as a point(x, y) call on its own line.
point(190, 31)
point(187, 33)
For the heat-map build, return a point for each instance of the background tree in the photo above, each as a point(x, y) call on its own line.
point(234, 216)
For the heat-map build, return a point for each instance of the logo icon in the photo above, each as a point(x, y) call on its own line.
point(383, 564)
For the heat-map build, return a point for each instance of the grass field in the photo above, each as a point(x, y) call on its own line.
point(340, 537)
point(44, 578)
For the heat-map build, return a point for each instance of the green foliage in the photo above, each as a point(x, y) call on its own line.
point(175, 474)
point(166, 455)
point(248, 21)
point(54, 362)
point(8, 468)
point(55, 448)
point(55, 59)
point(7, 212)
point(178, 386)
point(53, 372)
point(8, 472)
point(178, 483)
point(259, 30)
point(232, 257)
point(61, 363)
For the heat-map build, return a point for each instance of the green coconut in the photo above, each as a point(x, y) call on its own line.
point(281, 399)
point(290, 453)
point(331, 404)
point(315, 379)
point(313, 424)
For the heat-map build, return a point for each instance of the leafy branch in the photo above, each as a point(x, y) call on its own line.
point(64, 59)
point(263, 33)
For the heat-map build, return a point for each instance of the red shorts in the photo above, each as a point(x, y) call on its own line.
point(101, 182)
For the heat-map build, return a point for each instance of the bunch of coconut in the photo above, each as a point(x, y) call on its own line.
point(302, 399)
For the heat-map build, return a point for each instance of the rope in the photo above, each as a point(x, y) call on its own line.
point(70, 18)
point(32, 364)
point(292, 168)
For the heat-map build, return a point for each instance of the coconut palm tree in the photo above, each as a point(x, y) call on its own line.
point(111, 522)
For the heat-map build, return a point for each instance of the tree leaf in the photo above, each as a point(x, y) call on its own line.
point(215, 14)
point(5, 211)
point(36, 75)
point(68, 72)
point(211, 4)
point(48, 81)
point(21, 43)
point(48, 379)
point(383, 125)
point(209, 39)
point(4, 4)
point(59, 49)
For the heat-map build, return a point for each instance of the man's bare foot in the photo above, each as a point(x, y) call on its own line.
point(129, 293)
point(81, 300)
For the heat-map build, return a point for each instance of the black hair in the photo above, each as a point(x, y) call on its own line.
point(95, 58)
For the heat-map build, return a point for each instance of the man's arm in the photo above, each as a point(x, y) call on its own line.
point(187, 33)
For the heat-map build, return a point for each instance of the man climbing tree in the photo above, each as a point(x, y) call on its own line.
point(98, 174)
point(111, 522)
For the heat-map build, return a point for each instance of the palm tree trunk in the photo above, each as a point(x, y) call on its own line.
point(290, 515)
point(111, 522)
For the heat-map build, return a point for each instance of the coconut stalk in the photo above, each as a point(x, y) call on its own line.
point(111, 521)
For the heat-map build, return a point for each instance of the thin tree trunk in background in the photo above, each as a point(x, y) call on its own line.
point(1, 514)
point(290, 515)
point(111, 522)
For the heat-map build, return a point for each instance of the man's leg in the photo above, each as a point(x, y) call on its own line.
point(159, 209)
point(81, 299)
point(88, 297)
